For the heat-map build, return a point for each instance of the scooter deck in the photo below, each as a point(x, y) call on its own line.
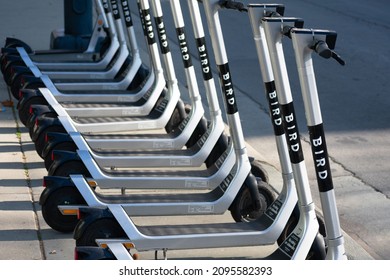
point(160, 198)
point(211, 228)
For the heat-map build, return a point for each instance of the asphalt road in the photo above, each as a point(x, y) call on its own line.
point(354, 100)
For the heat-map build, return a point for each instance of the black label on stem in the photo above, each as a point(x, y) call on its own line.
point(204, 58)
point(126, 13)
point(274, 108)
point(148, 27)
point(320, 157)
point(227, 88)
point(164, 46)
point(292, 133)
point(115, 9)
point(185, 52)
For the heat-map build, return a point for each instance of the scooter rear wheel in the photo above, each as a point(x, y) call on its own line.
point(52, 215)
point(40, 141)
point(24, 111)
point(64, 146)
point(317, 251)
point(258, 170)
point(242, 208)
point(104, 228)
point(71, 167)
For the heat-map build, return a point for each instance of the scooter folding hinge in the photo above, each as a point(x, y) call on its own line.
point(335, 242)
point(307, 208)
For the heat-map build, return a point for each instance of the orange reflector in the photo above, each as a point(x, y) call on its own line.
point(92, 184)
point(70, 212)
point(128, 245)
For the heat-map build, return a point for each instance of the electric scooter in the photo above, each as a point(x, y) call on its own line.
point(305, 43)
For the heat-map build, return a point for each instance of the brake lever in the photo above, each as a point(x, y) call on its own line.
point(321, 47)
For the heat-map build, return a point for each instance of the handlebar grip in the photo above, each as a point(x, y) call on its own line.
point(233, 5)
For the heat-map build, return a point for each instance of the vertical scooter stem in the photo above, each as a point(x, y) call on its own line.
point(164, 46)
point(128, 22)
point(103, 12)
point(204, 58)
point(230, 102)
point(118, 21)
point(184, 49)
point(305, 42)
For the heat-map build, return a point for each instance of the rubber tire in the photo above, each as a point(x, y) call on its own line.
point(100, 229)
point(8, 73)
point(71, 167)
point(64, 146)
point(259, 171)
point(316, 252)
point(40, 142)
point(32, 127)
point(16, 85)
point(24, 112)
point(243, 200)
point(53, 217)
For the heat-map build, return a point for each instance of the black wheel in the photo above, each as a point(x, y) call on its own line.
point(34, 86)
point(71, 167)
point(24, 111)
point(40, 141)
point(242, 207)
point(177, 117)
point(64, 146)
point(317, 250)
point(16, 84)
point(104, 228)
point(9, 72)
point(31, 123)
point(259, 171)
point(53, 217)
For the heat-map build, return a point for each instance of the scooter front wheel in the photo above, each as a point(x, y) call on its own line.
point(104, 228)
point(53, 216)
point(242, 207)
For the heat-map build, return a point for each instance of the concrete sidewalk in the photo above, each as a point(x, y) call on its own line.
point(23, 233)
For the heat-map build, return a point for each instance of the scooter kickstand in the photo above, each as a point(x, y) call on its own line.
point(165, 250)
